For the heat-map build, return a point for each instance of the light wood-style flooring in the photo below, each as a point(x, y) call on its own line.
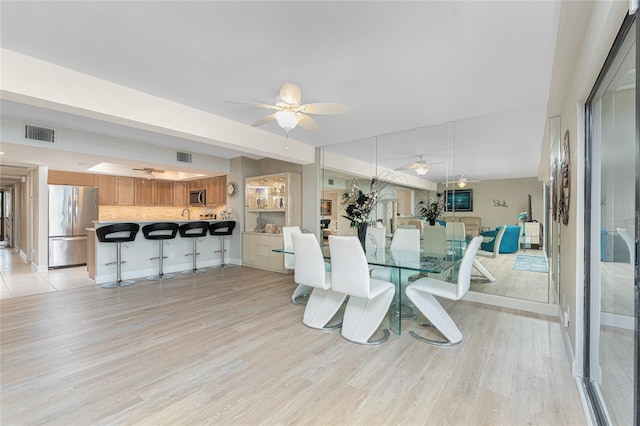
point(513, 283)
point(228, 347)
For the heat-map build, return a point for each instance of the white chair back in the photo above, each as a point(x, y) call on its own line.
point(435, 240)
point(378, 235)
point(455, 231)
point(497, 241)
point(464, 272)
point(289, 259)
point(309, 263)
point(349, 269)
point(406, 239)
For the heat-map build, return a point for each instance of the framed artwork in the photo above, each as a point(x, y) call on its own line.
point(565, 181)
point(325, 207)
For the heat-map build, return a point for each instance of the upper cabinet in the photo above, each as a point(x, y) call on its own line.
point(163, 192)
point(217, 191)
point(215, 187)
point(125, 191)
point(144, 192)
point(128, 191)
point(115, 190)
point(180, 194)
point(276, 198)
point(106, 190)
point(57, 177)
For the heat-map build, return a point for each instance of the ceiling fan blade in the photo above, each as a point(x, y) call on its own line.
point(308, 123)
point(255, 104)
point(324, 108)
point(267, 119)
point(291, 94)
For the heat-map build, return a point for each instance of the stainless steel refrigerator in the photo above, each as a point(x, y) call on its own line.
point(72, 209)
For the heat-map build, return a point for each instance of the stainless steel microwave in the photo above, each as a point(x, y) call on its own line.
point(198, 197)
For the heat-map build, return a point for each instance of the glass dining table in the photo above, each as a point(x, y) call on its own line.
point(404, 264)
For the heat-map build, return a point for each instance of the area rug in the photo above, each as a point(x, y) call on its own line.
point(526, 262)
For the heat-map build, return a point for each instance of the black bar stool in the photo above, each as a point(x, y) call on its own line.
point(194, 230)
point(222, 229)
point(160, 231)
point(118, 233)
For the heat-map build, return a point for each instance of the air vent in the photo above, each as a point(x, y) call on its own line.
point(184, 157)
point(39, 133)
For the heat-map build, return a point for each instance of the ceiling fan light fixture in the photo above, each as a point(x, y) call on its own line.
point(462, 183)
point(288, 120)
point(421, 170)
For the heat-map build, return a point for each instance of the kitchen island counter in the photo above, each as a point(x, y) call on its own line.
point(137, 254)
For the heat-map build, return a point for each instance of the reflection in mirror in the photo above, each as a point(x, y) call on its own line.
point(399, 158)
point(613, 318)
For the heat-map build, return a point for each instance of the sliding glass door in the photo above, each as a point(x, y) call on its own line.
point(610, 368)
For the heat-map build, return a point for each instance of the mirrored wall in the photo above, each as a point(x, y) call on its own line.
point(482, 204)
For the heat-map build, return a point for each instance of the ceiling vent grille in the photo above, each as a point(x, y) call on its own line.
point(184, 157)
point(39, 133)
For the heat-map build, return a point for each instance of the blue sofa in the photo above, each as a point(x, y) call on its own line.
point(509, 242)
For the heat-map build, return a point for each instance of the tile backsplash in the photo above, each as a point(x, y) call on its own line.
point(141, 213)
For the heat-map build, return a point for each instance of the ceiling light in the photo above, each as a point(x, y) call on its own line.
point(421, 170)
point(288, 120)
point(462, 183)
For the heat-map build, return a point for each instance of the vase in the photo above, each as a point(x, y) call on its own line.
point(362, 235)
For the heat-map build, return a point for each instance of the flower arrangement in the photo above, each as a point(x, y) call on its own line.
point(360, 204)
point(432, 208)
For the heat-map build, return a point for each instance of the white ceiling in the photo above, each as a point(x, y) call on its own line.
point(404, 68)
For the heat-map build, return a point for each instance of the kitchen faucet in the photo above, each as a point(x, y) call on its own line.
point(188, 213)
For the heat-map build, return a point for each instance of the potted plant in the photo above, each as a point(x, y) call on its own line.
point(432, 208)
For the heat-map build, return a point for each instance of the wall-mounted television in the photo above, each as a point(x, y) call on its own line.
point(460, 200)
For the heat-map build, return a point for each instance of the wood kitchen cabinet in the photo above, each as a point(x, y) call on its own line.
point(195, 185)
point(143, 192)
point(106, 190)
point(180, 194)
point(56, 177)
point(115, 190)
point(216, 191)
point(163, 195)
point(125, 191)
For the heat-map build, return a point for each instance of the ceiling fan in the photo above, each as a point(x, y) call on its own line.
point(461, 182)
point(149, 171)
point(289, 113)
point(420, 166)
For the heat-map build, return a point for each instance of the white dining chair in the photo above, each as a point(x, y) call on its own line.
point(423, 294)
point(404, 239)
point(369, 298)
point(434, 239)
point(301, 291)
point(489, 254)
point(323, 302)
point(455, 231)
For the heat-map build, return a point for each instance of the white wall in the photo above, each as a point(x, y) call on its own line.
point(597, 34)
point(513, 192)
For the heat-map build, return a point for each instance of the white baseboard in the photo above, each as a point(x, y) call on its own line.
point(513, 303)
point(172, 269)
